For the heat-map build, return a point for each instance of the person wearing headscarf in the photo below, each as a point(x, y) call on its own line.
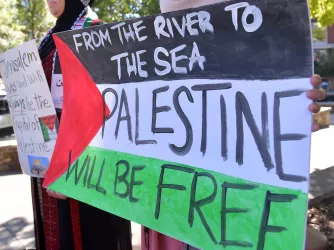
point(61, 223)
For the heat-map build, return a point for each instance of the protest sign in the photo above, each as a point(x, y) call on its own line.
point(193, 123)
point(33, 114)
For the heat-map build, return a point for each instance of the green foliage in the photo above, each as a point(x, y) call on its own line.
point(318, 33)
point(10, 30)
point(324, 64)
point(149, 7)
point(35, 17)
point(118, 10)
point(323, 11)
point(22, 20)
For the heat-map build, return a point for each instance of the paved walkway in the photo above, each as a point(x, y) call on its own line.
point(16, 217)
point(322, 164)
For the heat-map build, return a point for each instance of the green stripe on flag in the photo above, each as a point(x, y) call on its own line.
point(45, 131)
point(92, 184)
point(88, 22)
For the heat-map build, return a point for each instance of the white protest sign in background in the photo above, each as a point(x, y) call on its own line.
point(33, 113)
point(57, 90)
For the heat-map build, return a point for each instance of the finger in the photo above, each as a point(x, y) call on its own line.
point(314, 107)
point(316, 94)
point(316, 80)
point(315, 127)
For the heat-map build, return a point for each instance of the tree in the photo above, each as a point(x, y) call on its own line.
point(149, 7)
point(10, 31)
point(323, 11)
point(118, 10)
point(35, 17)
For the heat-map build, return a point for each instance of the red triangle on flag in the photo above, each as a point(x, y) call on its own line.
point(82, 114)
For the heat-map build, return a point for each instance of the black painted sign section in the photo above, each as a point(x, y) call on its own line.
point(268, 40)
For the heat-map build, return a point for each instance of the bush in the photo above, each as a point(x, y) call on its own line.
point(324, 64)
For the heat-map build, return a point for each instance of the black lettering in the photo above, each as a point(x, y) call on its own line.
point(31, 57)
point(19, 61)
point(122, 179)
point(156, 110)
point(127, 117)
point(98, 184)
point(170, 186)
point(137, 141)
point(106, 91)
point(75, 168)
point(189, 131)
point(196, 205)
point(225, 211)
point(223, 123)
point(134, 182)
point(265, 228)
point(204, 88)
point(86, 173)
point(89, 185)
point(262, 142)
point(24, 59)
point(278, 137)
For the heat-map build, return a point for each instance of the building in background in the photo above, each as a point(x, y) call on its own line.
point(323, 39)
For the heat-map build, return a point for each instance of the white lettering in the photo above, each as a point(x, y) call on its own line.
point(190, 23)
point(118, 58)
point(105, 37)
point(204, 21)
point(77, 44)
point(141, 72)
point(138, 29)
point(87, 39)
point(234, 8)
point(159, 25)
point(258, 19)
point(118, 26)
point(129, 34)
point(196, 57)
point(95, 34)
point(170, 28)
point(175, 59)
point(182, 30)
point(133, 67)
point(160, 62)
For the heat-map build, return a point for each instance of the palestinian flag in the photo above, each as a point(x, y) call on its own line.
point(49, 126)
point(198, 129)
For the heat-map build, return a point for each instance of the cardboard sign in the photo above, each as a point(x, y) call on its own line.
point(193, 123)
point(33, 114)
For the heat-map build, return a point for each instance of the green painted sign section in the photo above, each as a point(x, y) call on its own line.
point(128, 186)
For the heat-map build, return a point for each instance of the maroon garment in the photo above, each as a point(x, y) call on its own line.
point(46, 214)
point(152, 240)
point(47, 67)
point(70, 224)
